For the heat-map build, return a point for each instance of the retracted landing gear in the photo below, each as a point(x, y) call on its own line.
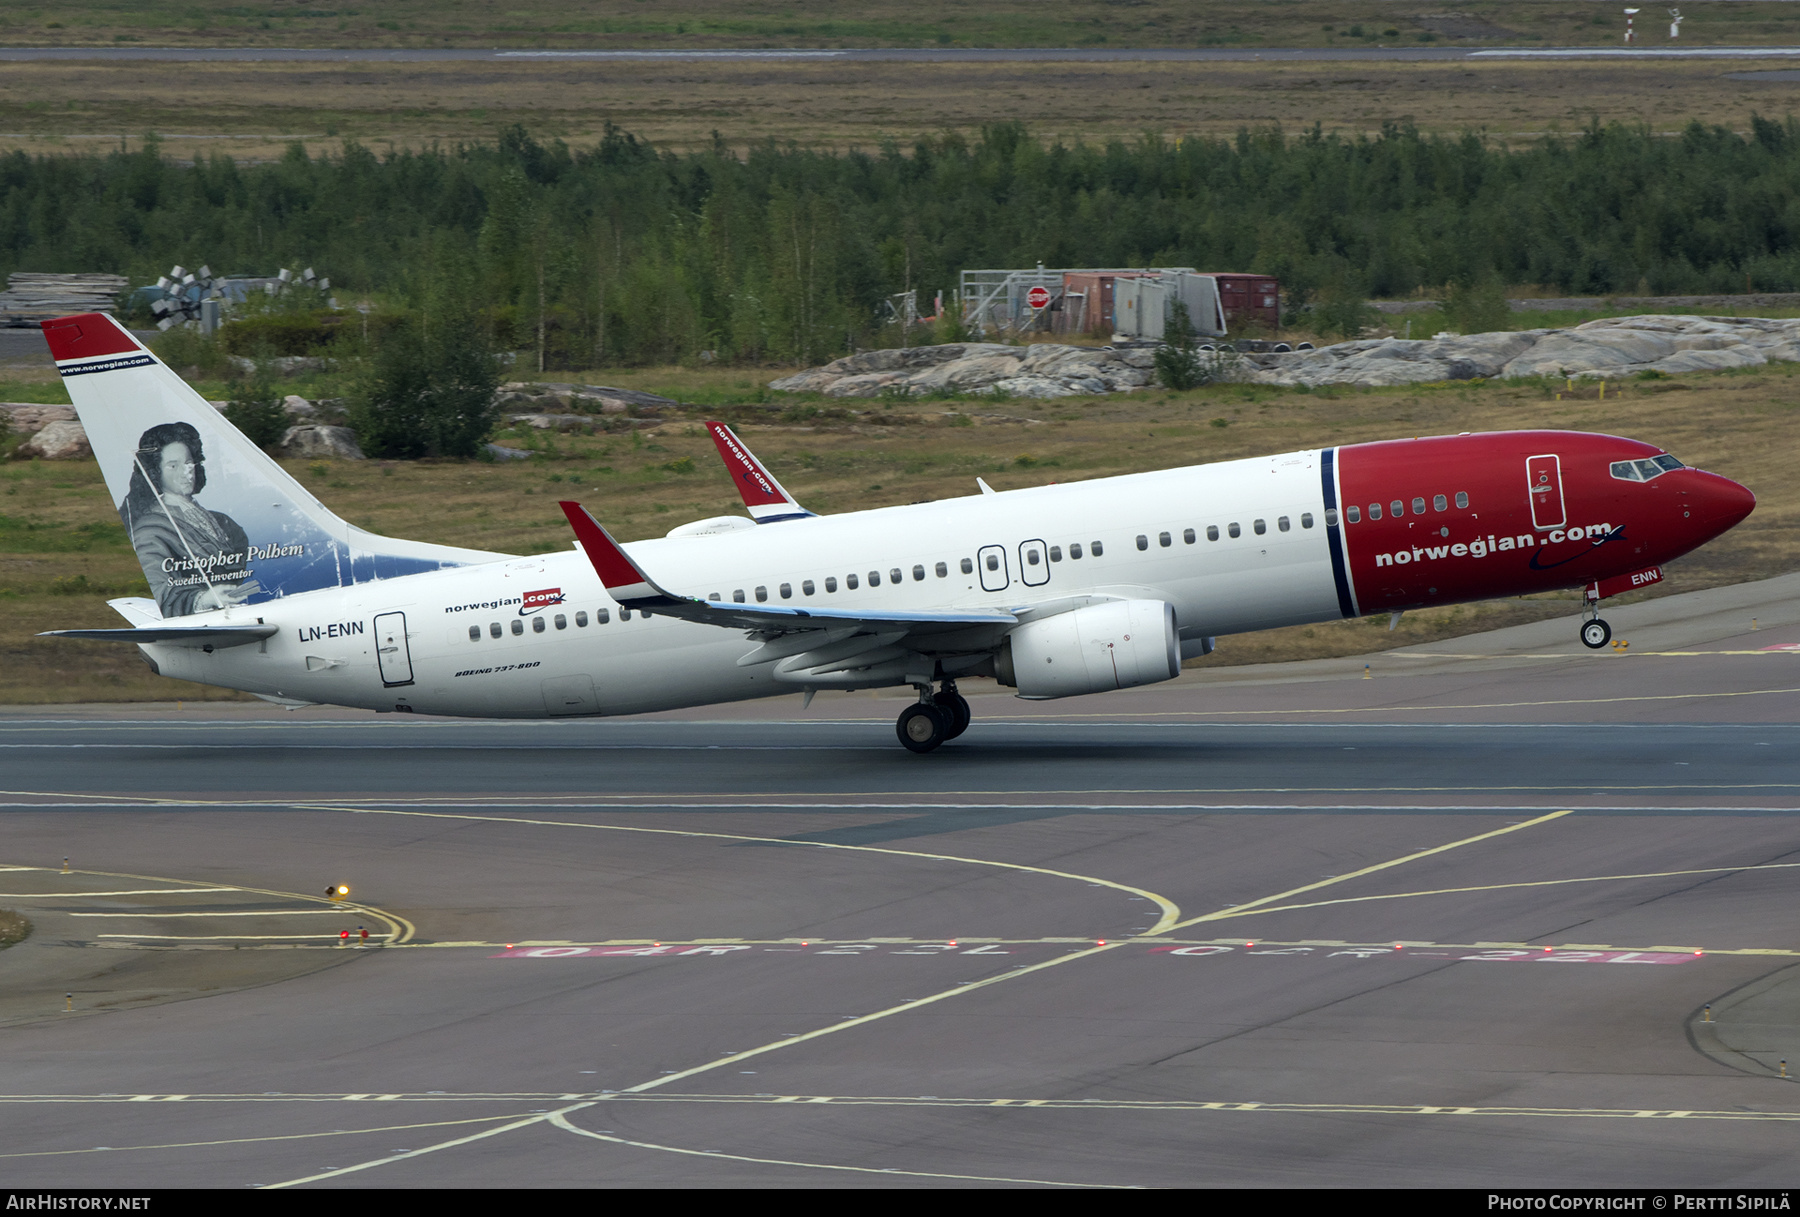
point(931, 720)
point(1595, 633)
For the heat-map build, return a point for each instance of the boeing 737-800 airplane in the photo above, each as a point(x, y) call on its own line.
point(1053, 590)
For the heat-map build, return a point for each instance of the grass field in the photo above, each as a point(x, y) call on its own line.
point(864, 23)
point(62, 550)
point(252, 111)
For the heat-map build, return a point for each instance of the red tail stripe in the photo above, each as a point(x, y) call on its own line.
point(86, 335)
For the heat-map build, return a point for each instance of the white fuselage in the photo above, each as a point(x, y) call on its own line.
point(344, 646)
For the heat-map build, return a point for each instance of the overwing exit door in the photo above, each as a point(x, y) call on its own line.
point(991, 559)
point(391, 652)
point(1034, 565)
point(1543, 475)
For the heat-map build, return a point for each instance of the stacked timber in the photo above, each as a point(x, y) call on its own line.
point(30, 298)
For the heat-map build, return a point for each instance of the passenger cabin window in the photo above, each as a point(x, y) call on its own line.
point(494, 630)
point(762, 594)
point(1031, 556)
point(1331, 517)
point(1212, 532)
point(1056, 553)
point(1306, 518)
point(562, 622)
point(1096, 549)
point(1462, 498)
point(712, 595)
point(1397, 508)
point(1440, 503)
point(581, 619)
point(1163, 539)
point(518, 627)
point(943, 571)
point(1282, 524)
point(806, 587)
point(601, 616)
point(787, 591)
point(831, 583)
point(1188, 536)
point(1143, 541)
point(968, 565)
point(993, 561)
point(1419, 506)
point(874, 578)
point(737, 597)
point(1260, 527)
point(474, 633)
point(537, 625)
point(850, 583)
point(918, 573)
point(894, 575)
point(624, 614)
point(1233, 529)
point(1351, 514)
point(1074, 551)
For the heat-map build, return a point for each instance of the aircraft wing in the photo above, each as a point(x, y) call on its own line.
point(632, 588)
point(767, 499)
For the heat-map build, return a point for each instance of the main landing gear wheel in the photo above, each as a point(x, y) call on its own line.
point(956, 709)
point(922, 726)
point(1595, 634)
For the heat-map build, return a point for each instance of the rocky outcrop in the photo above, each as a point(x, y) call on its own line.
point(1618, 346)
point(59, 441)
point(1611, 347)
point(549, 399)
point(1041, 370)
point(337, 443)
point(30, 416)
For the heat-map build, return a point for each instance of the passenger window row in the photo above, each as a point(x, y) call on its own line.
point(560, 621)
point(1397, 508)
point(1233, 529)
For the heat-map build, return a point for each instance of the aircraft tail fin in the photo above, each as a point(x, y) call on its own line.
point(767, 499)
point(215, 522)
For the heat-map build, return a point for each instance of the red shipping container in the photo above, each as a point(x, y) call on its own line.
point(1248, 298)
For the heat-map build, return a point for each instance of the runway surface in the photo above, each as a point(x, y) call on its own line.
point(1458, 923)
point(892, 54)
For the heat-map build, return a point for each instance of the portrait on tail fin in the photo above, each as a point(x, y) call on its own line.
point(195, 559)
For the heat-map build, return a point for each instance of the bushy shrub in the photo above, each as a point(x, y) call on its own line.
point(429, 389)
point(257, 409)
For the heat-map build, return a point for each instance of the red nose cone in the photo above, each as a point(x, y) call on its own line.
point(1724, 503)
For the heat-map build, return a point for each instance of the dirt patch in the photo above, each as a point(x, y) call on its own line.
point(13, 928)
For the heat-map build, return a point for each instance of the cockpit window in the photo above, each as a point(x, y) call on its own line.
point(1643, 471)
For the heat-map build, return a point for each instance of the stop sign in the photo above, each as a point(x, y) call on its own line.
point(1038, 297)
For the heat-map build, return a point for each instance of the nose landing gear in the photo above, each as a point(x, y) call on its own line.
point(933, 719)
point(1595, 633)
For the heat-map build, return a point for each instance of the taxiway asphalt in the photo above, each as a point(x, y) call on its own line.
point(1457, 923)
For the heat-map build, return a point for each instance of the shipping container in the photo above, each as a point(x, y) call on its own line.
point(1249, 298)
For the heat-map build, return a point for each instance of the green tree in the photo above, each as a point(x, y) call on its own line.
point(429, 389)
point(257, 408)
point(1477, 305)
point(1343, 310)
point(1178, 361)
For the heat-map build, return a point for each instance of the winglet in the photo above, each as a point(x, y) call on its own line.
point(619, 573)
point(766, 498)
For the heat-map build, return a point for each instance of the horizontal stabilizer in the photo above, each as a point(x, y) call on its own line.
point(627, 583)
point(206, 637)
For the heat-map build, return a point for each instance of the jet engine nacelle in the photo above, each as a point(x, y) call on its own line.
point(1090, 650)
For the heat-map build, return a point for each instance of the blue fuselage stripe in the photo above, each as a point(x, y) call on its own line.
point(1328, 465)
